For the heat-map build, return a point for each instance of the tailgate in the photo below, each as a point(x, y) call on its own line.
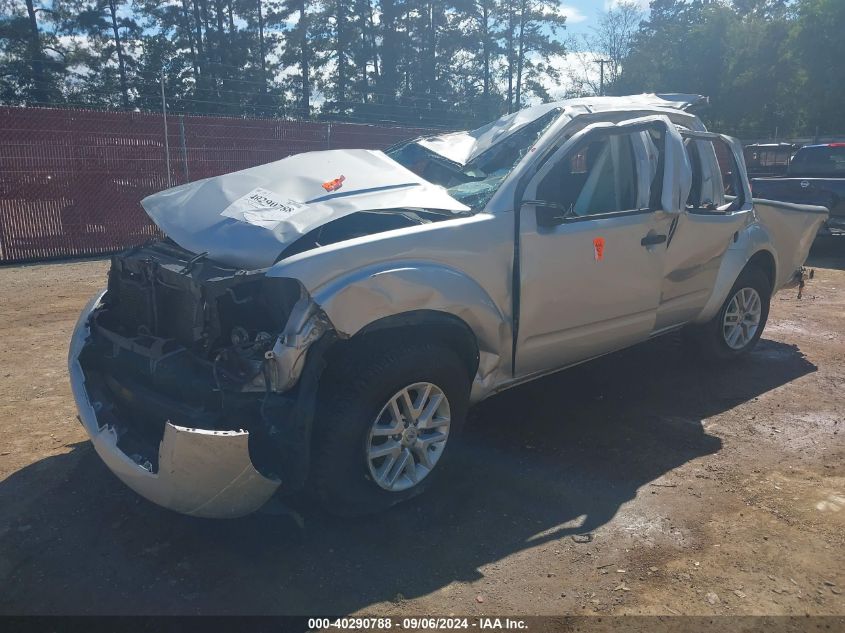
point(792, 228)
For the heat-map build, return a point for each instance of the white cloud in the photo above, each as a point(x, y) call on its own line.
point(573, 15)
point(575, 68)
point(642, 4)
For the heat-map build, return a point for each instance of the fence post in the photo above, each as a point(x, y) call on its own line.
point(184, 145)
point(4, 257)
point(166, 139)
point(329, 135)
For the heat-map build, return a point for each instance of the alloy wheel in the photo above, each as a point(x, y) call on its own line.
point(408, 436)
point(742, 318)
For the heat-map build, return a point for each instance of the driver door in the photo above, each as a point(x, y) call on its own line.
point(593, 228)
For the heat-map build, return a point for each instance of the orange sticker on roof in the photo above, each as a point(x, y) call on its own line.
point(598, 248)
point(334, 185)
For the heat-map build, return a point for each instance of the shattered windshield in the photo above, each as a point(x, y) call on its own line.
point(475, 183)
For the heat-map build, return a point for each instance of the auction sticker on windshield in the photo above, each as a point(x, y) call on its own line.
point(262, 207)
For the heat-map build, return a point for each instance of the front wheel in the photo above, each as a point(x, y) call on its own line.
point(738, 325)
point(386, 422)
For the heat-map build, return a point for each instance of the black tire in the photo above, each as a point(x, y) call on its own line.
point(353, 391)
point(708, 340)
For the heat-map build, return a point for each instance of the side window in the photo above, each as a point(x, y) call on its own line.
point(695, 198)
point(599, 176)
point(728, 170)
point(716, 181)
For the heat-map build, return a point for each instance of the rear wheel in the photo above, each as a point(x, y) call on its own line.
point(738, 325)
point(386, 423)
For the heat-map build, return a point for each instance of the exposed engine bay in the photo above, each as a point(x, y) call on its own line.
point(169, 302)
point(179, 338)
point(360, 224)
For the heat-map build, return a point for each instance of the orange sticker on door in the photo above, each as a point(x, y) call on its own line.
point(598, 248)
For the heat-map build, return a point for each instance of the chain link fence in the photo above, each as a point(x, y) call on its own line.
point(71, 181)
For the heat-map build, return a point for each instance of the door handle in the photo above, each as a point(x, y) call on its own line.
point(653, 238)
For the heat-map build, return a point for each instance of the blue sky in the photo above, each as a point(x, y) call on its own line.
point(582, 14)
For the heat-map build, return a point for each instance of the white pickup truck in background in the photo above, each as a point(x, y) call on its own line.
point(325, 321)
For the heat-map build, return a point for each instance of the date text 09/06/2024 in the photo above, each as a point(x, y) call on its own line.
point(418, 623)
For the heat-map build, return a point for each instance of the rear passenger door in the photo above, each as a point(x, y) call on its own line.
point(718, 205)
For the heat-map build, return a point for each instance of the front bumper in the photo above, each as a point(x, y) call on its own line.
point(200, 472)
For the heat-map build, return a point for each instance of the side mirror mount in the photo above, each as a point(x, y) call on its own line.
point(549, 214)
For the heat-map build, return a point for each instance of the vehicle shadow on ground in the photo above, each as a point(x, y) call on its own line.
point(540, 462)
point(828, 252)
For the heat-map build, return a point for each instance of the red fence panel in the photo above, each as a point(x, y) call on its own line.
point(71, 181)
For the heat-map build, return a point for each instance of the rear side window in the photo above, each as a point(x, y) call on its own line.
point(716, 179)
point(598, 177)
point(819, 161)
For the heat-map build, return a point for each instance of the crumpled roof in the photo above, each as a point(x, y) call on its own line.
point(462, 147)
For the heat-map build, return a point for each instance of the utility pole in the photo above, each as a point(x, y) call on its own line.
point(166, 139)
point(602, 62)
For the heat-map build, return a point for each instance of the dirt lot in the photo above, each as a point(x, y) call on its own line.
point(638, 483)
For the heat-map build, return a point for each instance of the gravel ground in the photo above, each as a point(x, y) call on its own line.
point(638, 483)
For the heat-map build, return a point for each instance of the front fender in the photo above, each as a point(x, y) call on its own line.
point(370, 294)
point(360, 297)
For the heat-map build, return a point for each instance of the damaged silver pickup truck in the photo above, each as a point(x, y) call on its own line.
point(324, 322)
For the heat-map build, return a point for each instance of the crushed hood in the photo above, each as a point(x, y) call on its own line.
point(247, 218)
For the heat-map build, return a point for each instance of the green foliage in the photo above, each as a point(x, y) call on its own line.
point(818, 41)
point(424, 62)
point(33, 62)
point(769, 66)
